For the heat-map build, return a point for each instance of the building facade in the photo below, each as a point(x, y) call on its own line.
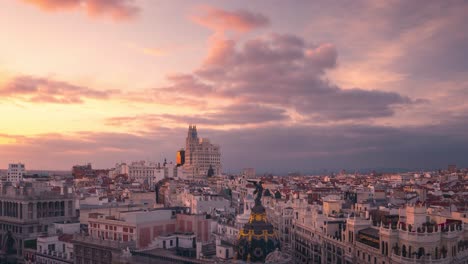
point(412, 236)
point(144, 172)
point(28, 211)
point(15, 172)
point(200, 155)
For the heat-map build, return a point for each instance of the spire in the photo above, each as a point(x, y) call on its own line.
point(193, 132)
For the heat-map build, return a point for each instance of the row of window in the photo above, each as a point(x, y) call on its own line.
point(112, 236)
point(112, 227)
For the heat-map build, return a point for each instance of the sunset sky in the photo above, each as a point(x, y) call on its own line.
point(280, 85)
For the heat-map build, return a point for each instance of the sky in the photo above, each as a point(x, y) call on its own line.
point(280, 85)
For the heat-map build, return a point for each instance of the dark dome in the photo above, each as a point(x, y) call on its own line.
point(257, 239)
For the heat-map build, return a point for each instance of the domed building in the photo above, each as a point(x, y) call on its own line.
point(257, 238)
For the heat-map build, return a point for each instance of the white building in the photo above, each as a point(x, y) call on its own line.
point(15, 172)
point(201, 155)
point(57, 247)
point(411, 236)
point(174, 240)
point(205, 203)
point(145, 172)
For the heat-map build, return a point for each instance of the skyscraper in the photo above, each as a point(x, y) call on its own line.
point(200, 154)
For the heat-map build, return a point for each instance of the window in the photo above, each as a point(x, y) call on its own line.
point(70, 208)
point(51, 247)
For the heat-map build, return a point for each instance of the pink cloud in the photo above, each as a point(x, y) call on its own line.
point(240, 21)
point(324, 55)
point(116, 9)
point(219, 50)
point(284, 72)
point(44, 90)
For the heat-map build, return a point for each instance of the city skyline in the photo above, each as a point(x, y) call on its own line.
point(280, 87)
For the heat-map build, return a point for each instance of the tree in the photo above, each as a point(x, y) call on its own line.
point(210, 171)
point(277, 195)
point(228, 192)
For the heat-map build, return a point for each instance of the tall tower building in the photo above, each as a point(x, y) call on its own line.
point(201, 155)
point(191, 144)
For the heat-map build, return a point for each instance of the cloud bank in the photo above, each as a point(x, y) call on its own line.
point(47, 90)
point(116, 9)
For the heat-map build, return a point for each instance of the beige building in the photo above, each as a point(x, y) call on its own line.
point(412, 236)
point(200, 156)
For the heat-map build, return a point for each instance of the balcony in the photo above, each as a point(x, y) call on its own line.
point(111, 244)
point(60, 256)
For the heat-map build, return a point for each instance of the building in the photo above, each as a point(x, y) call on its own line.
point(280, 215)
point(200, 155)
point(248, 172)
point(180, 157)
point(89, 250)
point(27, 212)
point(144, 226)
point(377, 237)
point(82, 171)
point(147, 173)
point(143, 231)
point(257, 238)
point(54, 249)
point(452, 168)
point(15, 172)
point(57, 247)
point(206, 203)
